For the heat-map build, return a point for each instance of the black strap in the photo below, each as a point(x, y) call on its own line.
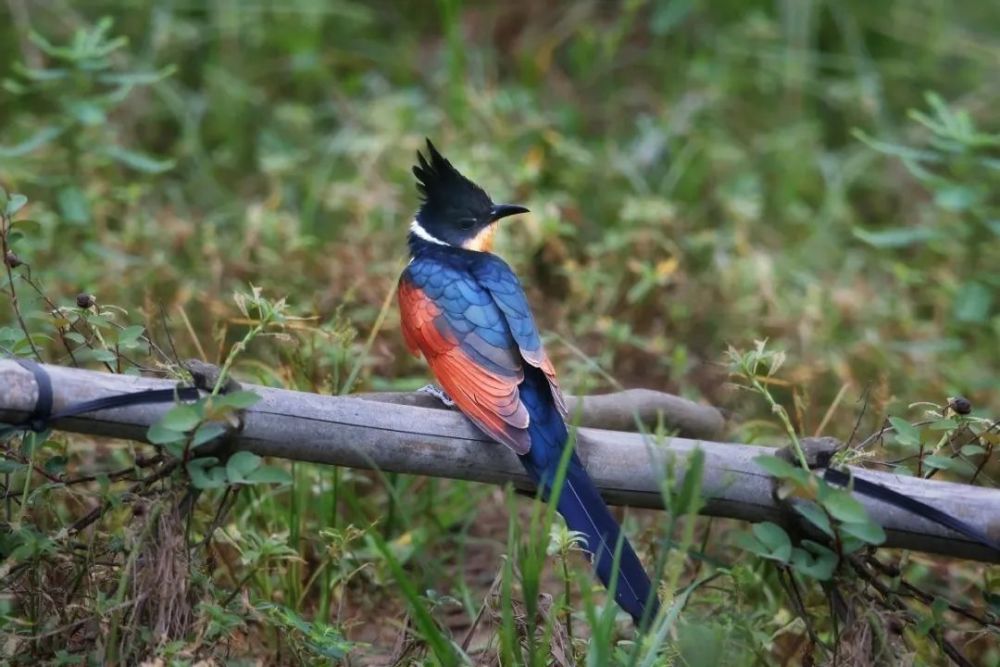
point(912, 505)
point(39, 417)
point(42, 416)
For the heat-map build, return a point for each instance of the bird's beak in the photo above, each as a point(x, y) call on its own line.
point(504, 210)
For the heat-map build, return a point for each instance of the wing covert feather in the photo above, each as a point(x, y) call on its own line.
point(479, 376)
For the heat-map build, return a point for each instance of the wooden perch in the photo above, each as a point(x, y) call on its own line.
point(360, 433)
point(614, 412)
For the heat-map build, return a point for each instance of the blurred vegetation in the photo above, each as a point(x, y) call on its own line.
point(823, 175)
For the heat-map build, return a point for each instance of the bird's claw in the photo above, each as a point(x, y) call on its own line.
point(438, 393)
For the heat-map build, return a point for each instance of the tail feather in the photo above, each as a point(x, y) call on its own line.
point(584, 510)
point(580, 502)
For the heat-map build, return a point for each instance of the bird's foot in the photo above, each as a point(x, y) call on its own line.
point(438, 393)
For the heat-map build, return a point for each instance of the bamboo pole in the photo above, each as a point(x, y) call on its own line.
point(361, 433)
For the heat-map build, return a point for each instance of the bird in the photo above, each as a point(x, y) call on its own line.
point(463, 308)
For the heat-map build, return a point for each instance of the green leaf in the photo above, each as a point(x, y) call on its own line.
point(939, 462)
point(130, 334)
point(56, 465)
point(906, 433)
point(138, 161)
point(15, 203)
point(106, 356)
point(136, 78)
point(181, 418)
point(844, 507)
point(972, 450)
point(816, 516)
point(10, 335)
point(849, 544)
point(269, 475)
point(8, 466)
point(938, 608)
point(24, 228)
point(924, 625)
point(240, 465)
point(774, 539)
point(203, 462)
point(37, 140)
point(956, 197)
point(898, 237)
point(177, 448)
point(815, 560)
point(238, 399)
point(160, 435)
point(776, 467)
point(205, 474)
point(866, 531)
point(206, 433)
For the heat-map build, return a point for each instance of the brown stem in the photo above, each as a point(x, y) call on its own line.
point(988, 454)
point(5, 223)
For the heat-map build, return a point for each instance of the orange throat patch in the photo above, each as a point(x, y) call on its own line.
point(483, 241)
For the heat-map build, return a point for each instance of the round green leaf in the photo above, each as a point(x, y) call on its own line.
point(816, 516)
point(816, 562)
point(15, 203)
point(906, 433)
point(181, 418)
point(206, 433)
point(775, 540)
point(205, 477)
point(775, 466)
point(867, 531)
point(844, 507)
point(972, 450)
point(269, 475)
point(158, 434)
point(240, 465)
point(238, 399)
point(940, 462)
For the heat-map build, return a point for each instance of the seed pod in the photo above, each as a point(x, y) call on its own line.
point(961, 405)
point(12, 260)
point(84, 300)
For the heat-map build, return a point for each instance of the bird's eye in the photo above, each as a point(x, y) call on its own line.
point(467, 223)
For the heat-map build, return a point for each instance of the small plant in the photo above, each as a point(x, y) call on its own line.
point(949, 439)
point(755, 368)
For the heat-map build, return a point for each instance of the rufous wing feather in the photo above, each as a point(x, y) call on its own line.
point(488, 398)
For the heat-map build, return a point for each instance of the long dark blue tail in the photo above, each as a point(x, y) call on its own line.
point(580, 503)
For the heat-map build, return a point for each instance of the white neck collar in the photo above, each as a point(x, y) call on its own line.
point(418, 230)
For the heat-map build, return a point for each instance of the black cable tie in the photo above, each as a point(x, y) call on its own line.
point(38, 420)
point(42, 416)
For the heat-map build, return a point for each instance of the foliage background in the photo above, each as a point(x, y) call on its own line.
point(820, 174)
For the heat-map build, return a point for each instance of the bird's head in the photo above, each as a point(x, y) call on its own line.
point(455, 211)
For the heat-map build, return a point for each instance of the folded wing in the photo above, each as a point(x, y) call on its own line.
point(461, 332)
point(496, 277)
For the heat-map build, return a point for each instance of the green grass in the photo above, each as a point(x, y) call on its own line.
point(700, 175)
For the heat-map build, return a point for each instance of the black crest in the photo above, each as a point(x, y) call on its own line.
point(449, 198)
